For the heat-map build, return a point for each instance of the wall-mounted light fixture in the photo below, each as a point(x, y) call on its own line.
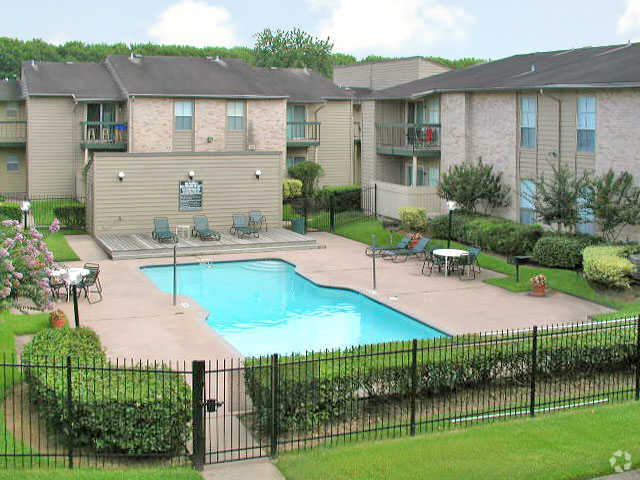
point(121, 176)
point(258, 174)
point(191, 174)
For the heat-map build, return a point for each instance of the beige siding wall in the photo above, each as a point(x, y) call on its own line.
point(368, 143)
point(389, 74)
point(335, 152)
point(51, 151)
point(391, 111)
point(182, 140)
point(427, 68)
point(150, 188)
point(380, 75)
point(353, 75)
point(13, 182)
point(4, 106)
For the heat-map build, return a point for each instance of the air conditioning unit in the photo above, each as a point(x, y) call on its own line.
point(251, 148)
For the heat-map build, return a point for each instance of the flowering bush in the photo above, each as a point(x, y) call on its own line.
point(25, 265)
point(539, 281)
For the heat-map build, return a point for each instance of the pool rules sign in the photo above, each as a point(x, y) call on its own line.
point(190, 195)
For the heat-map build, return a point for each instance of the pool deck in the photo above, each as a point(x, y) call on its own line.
point(141, 245)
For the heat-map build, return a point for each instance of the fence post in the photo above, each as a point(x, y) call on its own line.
point(274, 405)
point(534, 367)
point(375, 199)
point(332, 213)
point(197, 403)
point(638, 357)
point(414, 383)
point(175, 276)
point(69, 408)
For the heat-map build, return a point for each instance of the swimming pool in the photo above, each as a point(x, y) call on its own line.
point(264, 306)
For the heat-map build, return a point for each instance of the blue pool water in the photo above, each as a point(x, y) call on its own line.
point(264, 307)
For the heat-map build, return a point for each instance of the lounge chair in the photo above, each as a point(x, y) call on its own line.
point(382, 251)
point(162, 232)
point(257, 219)
point(242, 228)
point(201, 229)
point(91, 280)
point(417, 250)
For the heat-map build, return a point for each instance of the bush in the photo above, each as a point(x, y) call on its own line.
point(137, 411)
point(308, 173)
point(414, 218)
point(608, 265)
point(72, 216)
point(563, 251)
point(10, 211)
point(291, 188)
point(345, 197)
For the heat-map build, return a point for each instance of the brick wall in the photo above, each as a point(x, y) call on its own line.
point(151, 124)
point(266, 123)
point(210, 122)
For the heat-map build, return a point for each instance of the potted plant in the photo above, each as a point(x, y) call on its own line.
point(538, 285)
point(57, 319)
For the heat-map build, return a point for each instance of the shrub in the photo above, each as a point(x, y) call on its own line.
point(344, 197)
point(308, 173)
point(562, 251)
point(438, 226)
point(10, 211)
point(71, 215)
point(608, 266)
point(133, 411)
point(414, 218)
point(291, 188)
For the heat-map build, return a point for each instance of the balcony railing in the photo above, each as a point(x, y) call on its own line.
point(303, 133)
point(13, 132)
point(407, 138)
point(357, 131)
point(108, 135)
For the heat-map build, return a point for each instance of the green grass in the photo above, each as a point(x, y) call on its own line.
point(62, 251)
point(94, 474)
point(43, 210)
point(566, 281)
point(567, 445)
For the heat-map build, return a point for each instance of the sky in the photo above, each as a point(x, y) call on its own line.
point(451, 29)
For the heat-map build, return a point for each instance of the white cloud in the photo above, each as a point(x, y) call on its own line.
point(57, 38)
point(629, 22)
point(194, 23)
point(391, 27)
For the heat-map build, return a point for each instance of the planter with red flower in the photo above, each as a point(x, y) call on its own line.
point(57, 319)
point(538, 285)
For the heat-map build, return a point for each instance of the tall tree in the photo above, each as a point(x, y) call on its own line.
point(293, 48)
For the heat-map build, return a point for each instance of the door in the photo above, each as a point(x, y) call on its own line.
point(296, 118)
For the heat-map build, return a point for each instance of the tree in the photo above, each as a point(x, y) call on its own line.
point(308, 173)
point(471, 184)
point(560, 199)
point(614, 201)
point(293, 48)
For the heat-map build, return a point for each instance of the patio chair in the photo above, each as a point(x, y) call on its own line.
point(381, 251)
point(465, 263)
point(57, 284)
point(201, 229)
point(91, 280)
point(242, 228)
point(474, 252)
point(257, 219)
point(417, 250)
point(433, 261)
point(162, 232)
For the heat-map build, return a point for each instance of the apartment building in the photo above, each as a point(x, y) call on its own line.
point(13, 137)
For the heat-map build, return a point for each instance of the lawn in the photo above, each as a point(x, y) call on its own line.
point(566, 281)
point(43, 210)
point(93, 474)
point(57, 243)
point(568, 445)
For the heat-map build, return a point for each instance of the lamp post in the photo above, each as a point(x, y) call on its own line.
point(373, 259)
point(452, 206)
point(26, 205)
point(76, 315)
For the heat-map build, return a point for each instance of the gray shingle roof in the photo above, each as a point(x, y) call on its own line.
point(84, 80)
point(197, 76)
point(609, 66)
point(10, 90)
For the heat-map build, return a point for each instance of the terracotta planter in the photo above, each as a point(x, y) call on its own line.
point(57, 320)
point(538, 291)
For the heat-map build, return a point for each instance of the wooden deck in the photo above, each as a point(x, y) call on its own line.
point(141, 245)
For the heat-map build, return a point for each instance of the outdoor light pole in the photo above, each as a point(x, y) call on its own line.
point(373, 259)
point(25, 209)
point(74, 290)
point(174, 276)
point(452, 206)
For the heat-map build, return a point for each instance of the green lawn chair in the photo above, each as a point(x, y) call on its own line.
point(242, 228)
point(385, 251)
point(201, 229)
point(257, 220)
point(91, 281)
point(162, 232)
point(419, 249)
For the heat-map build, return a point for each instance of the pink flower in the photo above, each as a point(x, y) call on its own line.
point(55, 226)
point(4, 252)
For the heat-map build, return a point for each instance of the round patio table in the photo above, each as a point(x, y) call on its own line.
point(71, 276)
point(448, 253)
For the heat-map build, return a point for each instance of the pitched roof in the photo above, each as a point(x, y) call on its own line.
point(608, 66)
point(208, 77)
point(10, 90)
point(85, 81)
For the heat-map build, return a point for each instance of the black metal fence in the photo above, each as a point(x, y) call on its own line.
point(45, 207)
point(66, 413)
point(326, 212)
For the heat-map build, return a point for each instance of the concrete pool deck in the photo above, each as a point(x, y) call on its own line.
point(137, 320)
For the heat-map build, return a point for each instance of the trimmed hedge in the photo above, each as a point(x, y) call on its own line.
point(563, 251)
point(345, 197)
point(72, 216)
point(608, 265)
point(136, 411)
point(10, 211)
point(414, 218)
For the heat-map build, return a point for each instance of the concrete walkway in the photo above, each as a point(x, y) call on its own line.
point(261, 469)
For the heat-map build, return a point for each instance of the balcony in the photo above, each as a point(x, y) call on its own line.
point(408, 139)
point(357, 132)
point(13, 133)
point(104, 135)
point(303, 134)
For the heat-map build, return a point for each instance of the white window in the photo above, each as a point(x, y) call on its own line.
point(11, 110)
point(527, 192)
point(293, 161)
point(235, 115)
point(184, 115)
point(12, 163)
point(587, 124)
point(528, 122)
point(587, 224)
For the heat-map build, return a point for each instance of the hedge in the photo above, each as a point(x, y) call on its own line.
point(324, 387)
point(10, 211)
point(608, 265)
point(136, 411)
point(563, 251)
point(413, 218)
point(72, 216)
point(344, 197)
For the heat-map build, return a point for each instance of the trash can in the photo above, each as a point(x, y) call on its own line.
point(298, 225)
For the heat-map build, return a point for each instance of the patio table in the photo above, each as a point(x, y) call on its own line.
point(70, 276)
point(183, 231)
point(448, 253)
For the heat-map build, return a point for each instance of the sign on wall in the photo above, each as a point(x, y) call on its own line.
point(190, 195)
